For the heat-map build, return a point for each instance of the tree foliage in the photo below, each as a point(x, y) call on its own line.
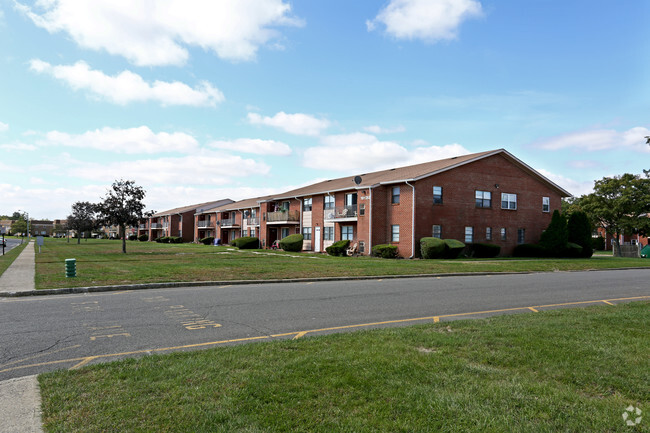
point(83, 218)
point(579, 229)
point(123, 206)
point(620, 205)
point(556, 236)
point(19, 226)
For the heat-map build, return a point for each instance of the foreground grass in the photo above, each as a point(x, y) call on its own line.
point(8, 258)
point(564, 370)
point(101, 262)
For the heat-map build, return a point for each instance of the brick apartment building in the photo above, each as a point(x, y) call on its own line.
point(229, 221)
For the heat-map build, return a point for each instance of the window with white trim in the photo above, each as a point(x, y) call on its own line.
point(347, 232)
point(306, 205)
point(483, 198)
point(395, 195)
point(394, 233)
point(508, 201)
point(488, 233)
point(469, 235)
point(306, 233)
point(329, 202)
point(437, 195)
point(521, 236)
point(436, 231)
point(503, 234)
point(546, 204)
point(328, 233)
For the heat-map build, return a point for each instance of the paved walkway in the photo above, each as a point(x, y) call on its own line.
point(20, 399)
point(19, 277)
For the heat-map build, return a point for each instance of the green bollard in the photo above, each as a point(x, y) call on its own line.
point(70, 268)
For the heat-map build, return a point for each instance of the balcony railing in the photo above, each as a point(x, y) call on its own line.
point(205, 223)
point(165, 225)
point(253, 221)
point(156, 225)
point(283, 217)
point(142, 226)
point(226, 222)
point(340, 212)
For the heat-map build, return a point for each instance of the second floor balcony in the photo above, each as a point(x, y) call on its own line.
point(228, 222)
point(202, 224)
point(346, 213)
point(156, 225)
point(142, 227)
point(286, 217)
point(253, 221)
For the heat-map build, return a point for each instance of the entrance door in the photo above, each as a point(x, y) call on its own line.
point(317, 239)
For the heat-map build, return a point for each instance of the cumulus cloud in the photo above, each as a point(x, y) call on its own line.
point(127, 87)
point(200, 168)
point(428, 20)
point(575, 187)
point(376, 129)
point(600, 139)
point(361, 151)
point(4, 127)
point(255, 146)
point(153, 33)
point(298, 123)
point(130, 140)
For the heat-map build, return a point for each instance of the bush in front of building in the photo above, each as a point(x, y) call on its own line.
point(292, 243)
point(579, 229)
point(384, 251)
point(453, 248)
point(207, 241)
point(247, 243)
point(133, 237)
point(599, 243)
point(143, 237)
point(338, 248)
point(556, 236)
point(482, 251)
point(529, 250)
point(432, 248)
point(573, 251)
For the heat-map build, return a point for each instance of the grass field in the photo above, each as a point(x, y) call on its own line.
point(553, 371)
point(8, 258)
point(100, 262)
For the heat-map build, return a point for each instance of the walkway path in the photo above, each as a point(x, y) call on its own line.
point(19, 277)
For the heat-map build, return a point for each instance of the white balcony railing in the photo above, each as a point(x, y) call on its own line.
point(341, 212)
point(253, 221)
point(156, 225)
point(226, 222)
point(280, 216)
point(205, 223)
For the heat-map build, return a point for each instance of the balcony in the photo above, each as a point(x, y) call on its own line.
point(283, 217)
point(228, 222)
point(253, 221)
point(156, 226)
point(341, 213)
point(142, 227)
point(206, 224)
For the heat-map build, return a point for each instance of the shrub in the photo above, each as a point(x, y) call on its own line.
point(579, 229)
point(207, 241)
point(132, 237)
point(292, 243)
point(338, 248)
point(247, 243)
point(483, 251)
point(529, 250)
point(453, 248)
point(555, 238)
point(384, 251)
point(598, 243)
point(573, 250)
point(432, 248)
point(143, 237)
point(174, 240)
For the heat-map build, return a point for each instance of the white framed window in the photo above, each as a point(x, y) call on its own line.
point(329, 202)
point(306, 205)
point(488, 233)
point(483, 199)
point(469, 235)
point(328, 233)
point(503, 234)
point(306, 233)
point(252, 233)
point(394, 199)
point(362, 209)
point(436, 231)
point(437, 195)
point(284, 232)
point(362, 247)
point(347, 232)
point(394, 233)
point(546, 204)
point(521, 236)
point(508, 201)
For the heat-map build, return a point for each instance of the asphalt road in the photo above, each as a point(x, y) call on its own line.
point(39, 334)
point(11, 244)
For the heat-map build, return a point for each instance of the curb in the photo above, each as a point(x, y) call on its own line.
point(99, 289)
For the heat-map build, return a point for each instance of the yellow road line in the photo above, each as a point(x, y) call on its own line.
point(607, 302)
point(533, 310)
point(436, 319)
point(82, 363)
point(40, 355)
point(300, 334)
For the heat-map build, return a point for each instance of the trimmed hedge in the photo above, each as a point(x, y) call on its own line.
point(529, 250)
point(292, 243)
point(574, 251)
point(453, 248)
point(483, 251)
point(338, 248)
point(207, 241)
point(143, 237)
point(384, 251)
point(247, 243)
point(432, 248)
point(133, 237)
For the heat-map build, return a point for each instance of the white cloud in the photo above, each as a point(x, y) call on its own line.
point(298, 123)
point(575, 187)
point(159, 33)
point(127, 87)
point(200, 168)
point(4, 127)
point(255, 146)
point(429, 20)
point(360, 151)
point(600, 139)
point(18, 146)
point(131, 140)
point(47, 202)
point(376, 129)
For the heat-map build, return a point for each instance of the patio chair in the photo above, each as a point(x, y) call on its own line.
point(351, 251)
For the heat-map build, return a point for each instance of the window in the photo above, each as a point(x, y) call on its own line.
point(306, 233)
point(329, 202)
point(509, 201)
point(483, 199)
point(306, 205)
point(347, 232)
point(284, 232)
point(394, 233)
point(437, 195)
point(503, 234)
point(362, 247)
point(252, 232)
point(395, 195)
point(351, 200)
point(437, 232)
point(285, 205)
point(328, 233)
point(546, 204)
point(521, 236)
point(362, 209)
point(469, 235)
point(488, 233)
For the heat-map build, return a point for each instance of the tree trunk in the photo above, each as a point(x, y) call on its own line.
point(617, 246)
point(123, 232)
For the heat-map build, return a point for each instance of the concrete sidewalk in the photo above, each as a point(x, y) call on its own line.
point(19, 277)
point(20, 406)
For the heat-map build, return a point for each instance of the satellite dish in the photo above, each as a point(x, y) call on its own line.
point(357, 180)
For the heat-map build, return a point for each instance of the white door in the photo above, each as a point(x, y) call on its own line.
point(317, 240)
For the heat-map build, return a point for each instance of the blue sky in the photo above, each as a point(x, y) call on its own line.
point(203, 100)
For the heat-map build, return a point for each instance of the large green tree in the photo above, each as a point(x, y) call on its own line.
point(19, 226)
point(620, 205)
point(83, 218)
point(123, 206)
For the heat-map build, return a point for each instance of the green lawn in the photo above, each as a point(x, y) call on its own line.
point(100, 262)
point(554, 371)
point(8, 258)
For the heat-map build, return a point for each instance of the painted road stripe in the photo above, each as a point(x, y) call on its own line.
point(533, 310)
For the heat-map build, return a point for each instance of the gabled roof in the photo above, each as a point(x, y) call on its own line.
point(193, 208)
point(238, 205)
point(410, 173)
